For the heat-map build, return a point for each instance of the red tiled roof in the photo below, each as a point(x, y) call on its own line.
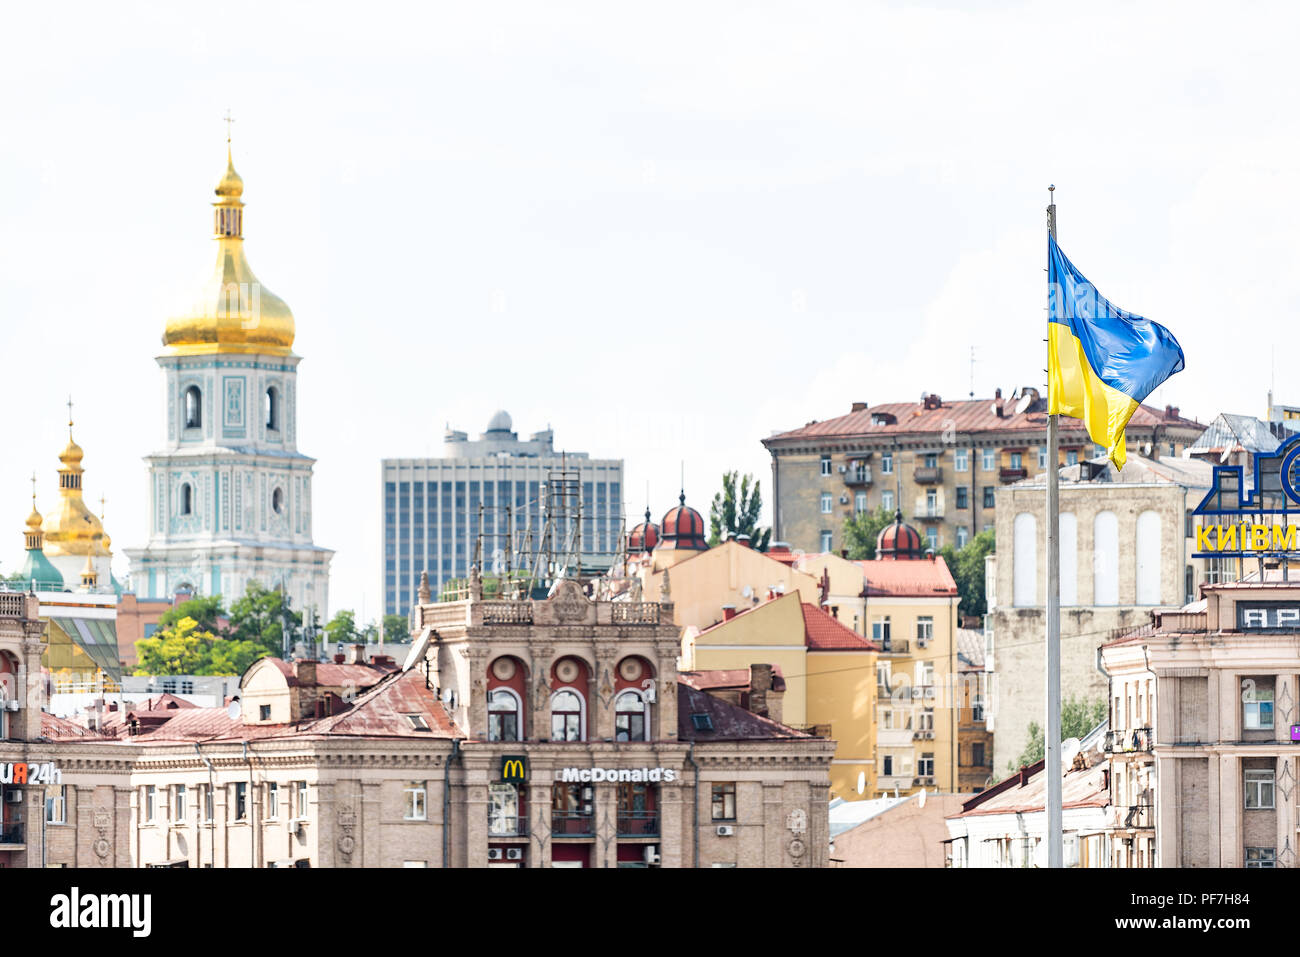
point(821, 632)
point(920, 578)
point(382, 711)
point(719, 679)
point(54, 728)
point(333, 675)
point(1083, 788)
point(967, 415)
point(730, 722)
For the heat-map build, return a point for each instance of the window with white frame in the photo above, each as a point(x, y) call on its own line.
point(1042, 458)
point(887, 500)
point(566, 716)
point(880, 628)
point(988, 459)
point(1260, 857)
point(925, 720)
point(860, 502)
point(415, 801)
point(178, 802)
point(208, 800)
point(925, 765)
point(272, 801)
point(886, 463)
point(826, 540)
point(924, 627)
point(1072, 457)
point(882, 674)
point(932, 538)
point(977, 700)
point(56, 804)
point(828, 502)
point(925, 674)
point(630, 717)
point(1259, 788)
point(963, 536)
point(240, 805)
point(150, 803)
point(826, 465)
point(300, 802)
point(504, 715)
point(1256, 706)
point(503, 810)
point(961, 460)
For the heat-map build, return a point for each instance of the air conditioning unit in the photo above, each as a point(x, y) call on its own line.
point(928, 735)
point(843, 469)
point(844, 500)
point(298, 829)
point(923, 642)
point(651, 854)
point(928, 781)
point(725, 830)
point(13, 705)
point(514, 853)
point(14, 797)
point(929, 691)
point(494, 853)
point(918, 692)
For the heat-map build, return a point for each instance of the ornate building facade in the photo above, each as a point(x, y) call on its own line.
point(230, 493)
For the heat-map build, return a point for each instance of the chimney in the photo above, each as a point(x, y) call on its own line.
point(844, 553)
point(744, 540)
point(1171, 412)
point(760, 683)
point(305, 671)
point(1024, 775)
point(728, 612)
point(858, 407)
point(339, 659)
point(997, 393)
point(356, 654)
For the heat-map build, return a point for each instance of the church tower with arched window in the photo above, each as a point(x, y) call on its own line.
point(230, 493)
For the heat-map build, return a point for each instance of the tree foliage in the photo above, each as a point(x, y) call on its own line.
point(260, 617)
point(396, 628)
point(343, 628)
point(736, 509)
point(203, 609)
point(967, 567)
point(1078, 717)
point(861, 531)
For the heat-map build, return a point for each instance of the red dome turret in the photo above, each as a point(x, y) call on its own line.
point(682, 528)
point(643, 537)
point(899, 542)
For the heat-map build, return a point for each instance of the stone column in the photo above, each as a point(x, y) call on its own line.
point(600, 706)
point(476, 690)
point(1229, 706)
point(676, 844)
point(1285, 801)
point(539, 822)
point(605, 851)
point(1214, 807)
point(122, 853)
point(1228, 823)
point(539, 692)
point(1284, 712)
point(370, 821)
point(773, 824)
point(476, 824)
point(664, 710)
point(81, 816)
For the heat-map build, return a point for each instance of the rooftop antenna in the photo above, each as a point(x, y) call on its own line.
point(972, 372)
point(228, 119)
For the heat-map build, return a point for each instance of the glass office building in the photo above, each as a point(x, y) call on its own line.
point(431, 507)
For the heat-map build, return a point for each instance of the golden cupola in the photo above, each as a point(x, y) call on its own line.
point(234, 312)
point(72, 528)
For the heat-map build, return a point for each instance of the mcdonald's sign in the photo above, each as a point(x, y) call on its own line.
point(514, 768)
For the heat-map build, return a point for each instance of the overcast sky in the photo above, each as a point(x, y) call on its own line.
point(667, 230)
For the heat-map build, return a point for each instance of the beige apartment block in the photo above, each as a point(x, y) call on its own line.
point(1126, 544)
point(940, 462)
point(1224, 676)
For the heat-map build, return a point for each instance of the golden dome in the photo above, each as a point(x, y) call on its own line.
point(34, 520)
point(71, 454)
point(72, 528)
point(233, 312)
point(231, 186)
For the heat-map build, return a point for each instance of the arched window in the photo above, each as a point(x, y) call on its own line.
point(566, 716)
point(193, 408)
point(273, 409)
point(1105, 559)
point(1148, 558)
point(277, 500)
point(630, 717)
point(187, 499)
point(1069, 567)
point(504, 715)
point(1025, 564)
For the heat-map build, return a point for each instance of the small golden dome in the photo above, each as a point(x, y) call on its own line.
point(72, 454)
point(34, 520)
point(231, 186)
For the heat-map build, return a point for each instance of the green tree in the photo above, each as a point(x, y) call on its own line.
point(861, 530)
point(206, 610)
point(967, 567)
point(736, 510)
point(343, 627)
point(1078, 717)
point(176, 650)
point(396, 628)
point(261, 616)
point(230, 656)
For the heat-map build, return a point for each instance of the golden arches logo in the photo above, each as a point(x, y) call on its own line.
point(513, 770)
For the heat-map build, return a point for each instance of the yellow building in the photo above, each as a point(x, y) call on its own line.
point(829, 673)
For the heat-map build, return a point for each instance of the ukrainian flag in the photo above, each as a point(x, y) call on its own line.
point(1101, 361)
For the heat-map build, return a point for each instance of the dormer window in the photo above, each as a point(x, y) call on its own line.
point(417, 722)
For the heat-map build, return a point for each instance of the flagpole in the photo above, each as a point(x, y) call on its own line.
point(1052, 731)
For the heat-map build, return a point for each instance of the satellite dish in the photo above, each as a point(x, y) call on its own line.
point(747, 591)
point(417, 650)
point(449, 699)
point(862, 781)
point(233, 709)
point(993, 408)
point(1069, 750)
point(1023, 403)
point(920, 801)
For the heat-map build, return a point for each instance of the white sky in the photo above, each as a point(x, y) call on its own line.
point(667, 230)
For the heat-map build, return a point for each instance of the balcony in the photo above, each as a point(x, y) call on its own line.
point(1134, 741)
point(634, 613)
point(861, 475)
point(638, 823)
point(895, 646)
point(1141, 816)
point(572, 824)
point(507, 825)
point(1010, 473)
point(928, 475)
point(931, 513)
point(11, 834)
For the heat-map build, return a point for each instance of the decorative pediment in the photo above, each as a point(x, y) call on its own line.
point(569, 603)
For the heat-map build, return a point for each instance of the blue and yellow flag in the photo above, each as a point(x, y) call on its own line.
point(1101, 361)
